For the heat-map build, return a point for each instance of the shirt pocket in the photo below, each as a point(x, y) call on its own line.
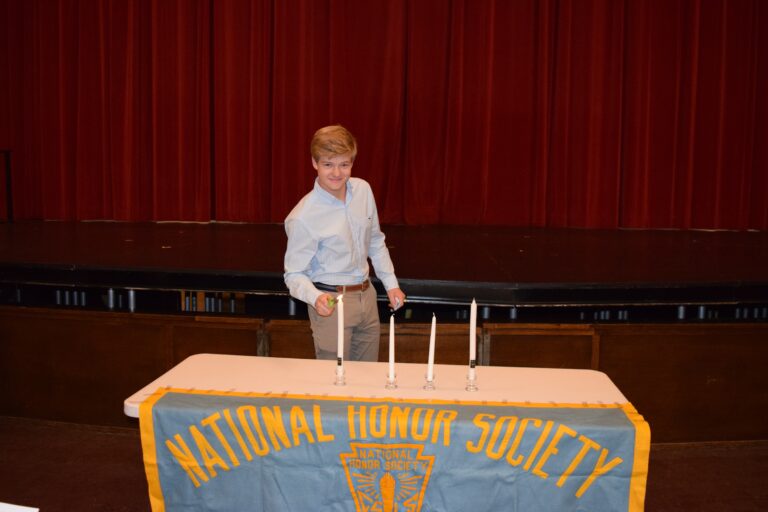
point(368, 228)
point(361, 225)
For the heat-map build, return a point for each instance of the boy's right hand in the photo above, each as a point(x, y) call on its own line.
point(325, 304)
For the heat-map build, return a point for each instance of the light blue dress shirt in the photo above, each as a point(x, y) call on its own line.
point(330, 241)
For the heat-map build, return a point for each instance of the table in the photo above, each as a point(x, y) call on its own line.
point(254, 433)
point(301, 376)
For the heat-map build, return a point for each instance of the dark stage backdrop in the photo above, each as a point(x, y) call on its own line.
point(588, 113)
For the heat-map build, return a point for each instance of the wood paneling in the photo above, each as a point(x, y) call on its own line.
point(290, 338)
point(76, 366)
point(692, 382)
point(79, 366)
point(240, 336)
point(540, 346)
point(293, 338)
point(412, 343)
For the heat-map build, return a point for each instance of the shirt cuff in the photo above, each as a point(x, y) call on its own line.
point(390, 283)
point(313, 296)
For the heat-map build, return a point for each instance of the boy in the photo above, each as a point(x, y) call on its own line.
point(332, 232)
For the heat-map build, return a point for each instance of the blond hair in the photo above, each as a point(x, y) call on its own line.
point(331, 141)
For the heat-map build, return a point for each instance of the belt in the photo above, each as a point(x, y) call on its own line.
point(343, 288)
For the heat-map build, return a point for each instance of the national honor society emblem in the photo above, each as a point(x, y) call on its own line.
point(387, 477)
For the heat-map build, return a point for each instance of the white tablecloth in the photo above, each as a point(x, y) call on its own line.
point(367, 380)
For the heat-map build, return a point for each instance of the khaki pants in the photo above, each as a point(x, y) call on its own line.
point(361, 328)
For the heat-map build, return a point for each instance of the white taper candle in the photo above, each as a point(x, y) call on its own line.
point(391, 375)
point(340, 338)
point(431, 359)
point(472, 336)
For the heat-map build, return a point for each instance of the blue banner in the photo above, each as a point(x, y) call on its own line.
point(219, 451)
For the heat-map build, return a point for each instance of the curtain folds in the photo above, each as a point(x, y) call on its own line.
point(596, 114)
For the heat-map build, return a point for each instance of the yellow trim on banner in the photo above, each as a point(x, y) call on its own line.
point(309, 396)
point(639, 479)
point(146, 427)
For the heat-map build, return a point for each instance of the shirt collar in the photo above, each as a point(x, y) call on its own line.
point(330, 198)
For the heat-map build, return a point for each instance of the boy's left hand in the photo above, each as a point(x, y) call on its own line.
point(325, 304)
point(396, 298)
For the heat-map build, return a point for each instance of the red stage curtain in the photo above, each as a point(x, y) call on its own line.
point(597, 113)
point(242, 86)
point(695, 116)
point(338, 62)
point(112, 116)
